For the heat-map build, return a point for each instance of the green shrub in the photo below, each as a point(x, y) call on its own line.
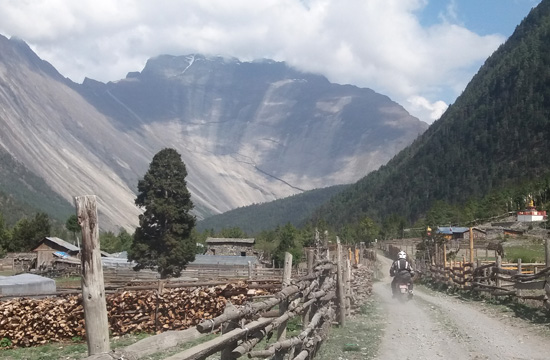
point(5, 342)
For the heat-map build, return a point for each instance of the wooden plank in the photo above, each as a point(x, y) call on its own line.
point(213, 346)
point(251, 308)
point(151, 345)
point(531, 285)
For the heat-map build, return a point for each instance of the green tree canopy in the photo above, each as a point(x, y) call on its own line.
point(4, 236)
point(72, 225)
point(288, 237)
point(163, 238)
point(112, 243)
point(233, 233)
point(27, 232)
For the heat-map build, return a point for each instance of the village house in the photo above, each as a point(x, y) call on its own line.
point(230, 246)
point(461, 233)
point(51, 248)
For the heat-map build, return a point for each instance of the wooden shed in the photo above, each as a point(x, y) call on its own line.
point(512, 232)
point(50, 248)
point(461, 233)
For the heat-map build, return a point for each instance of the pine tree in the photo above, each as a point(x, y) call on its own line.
point(72, 225)
point(163, 238)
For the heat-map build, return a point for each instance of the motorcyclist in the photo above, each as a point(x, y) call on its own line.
point(402, 272)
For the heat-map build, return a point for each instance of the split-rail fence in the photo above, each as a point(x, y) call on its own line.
point(322, 297)
point(523, 281)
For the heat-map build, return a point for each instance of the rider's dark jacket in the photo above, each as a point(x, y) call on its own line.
point(401, 266)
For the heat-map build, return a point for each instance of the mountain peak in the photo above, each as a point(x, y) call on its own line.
point(248, 132)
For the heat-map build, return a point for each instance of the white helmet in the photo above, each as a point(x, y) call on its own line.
point(402, 255)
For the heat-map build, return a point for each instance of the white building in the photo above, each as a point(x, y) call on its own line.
point(531, 214)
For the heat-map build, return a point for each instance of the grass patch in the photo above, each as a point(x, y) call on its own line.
point(359, 339)
point(77, 349)
point(70, 282)
point(47, 352)
point(528, 253)
point(7, 273)
point(73, 351)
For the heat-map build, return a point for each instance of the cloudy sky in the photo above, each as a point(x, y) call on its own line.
point(421, 53)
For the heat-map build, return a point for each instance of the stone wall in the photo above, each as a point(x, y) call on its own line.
point(230, 249)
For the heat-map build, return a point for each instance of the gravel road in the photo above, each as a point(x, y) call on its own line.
point(437, 326)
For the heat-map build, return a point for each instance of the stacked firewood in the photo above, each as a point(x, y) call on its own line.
point(27, 322)
point(361, 286)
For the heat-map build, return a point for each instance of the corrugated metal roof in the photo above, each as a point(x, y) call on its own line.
point(211, 240)
point(117, 262)
point(63, 243)
point(448, 230)
point(223, 260)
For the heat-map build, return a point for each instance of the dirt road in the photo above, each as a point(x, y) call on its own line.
point(436, 326)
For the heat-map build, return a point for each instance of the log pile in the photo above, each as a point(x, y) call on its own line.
point(361, 287)
point(28, 322)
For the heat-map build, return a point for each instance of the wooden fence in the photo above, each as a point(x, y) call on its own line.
point(527, 281)
point(324, 295)
point(522, 281)
point(17, 262)
point(124, 275)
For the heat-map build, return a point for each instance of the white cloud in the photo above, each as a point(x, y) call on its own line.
point(378, 44)
point(429, 112)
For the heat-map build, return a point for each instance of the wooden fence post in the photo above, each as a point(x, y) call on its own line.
point(445, 273)
point(340, 283)
point(250, 270)
point(547, 252)
point(518, 291)
point(225, 354)
point(283, 306)
point(93, 288)
point(472, 246)
point(463, 279)
point(347, 281)
point(499, 266)
point(478, 264)
point(436, 256)
point(310, 261)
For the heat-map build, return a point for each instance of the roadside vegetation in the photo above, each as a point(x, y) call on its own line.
point(76, 349)
point(528, 250)
point(360, 338)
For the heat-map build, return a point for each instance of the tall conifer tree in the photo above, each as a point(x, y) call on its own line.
point(163, 238)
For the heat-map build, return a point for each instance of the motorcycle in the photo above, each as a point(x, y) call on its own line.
point(403, 291)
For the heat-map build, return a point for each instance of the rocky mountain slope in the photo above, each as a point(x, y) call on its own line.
point(248, 132)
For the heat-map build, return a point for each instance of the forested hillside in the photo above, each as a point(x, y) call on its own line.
point(22, 193)
point(488, 148)
point(255, 218)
